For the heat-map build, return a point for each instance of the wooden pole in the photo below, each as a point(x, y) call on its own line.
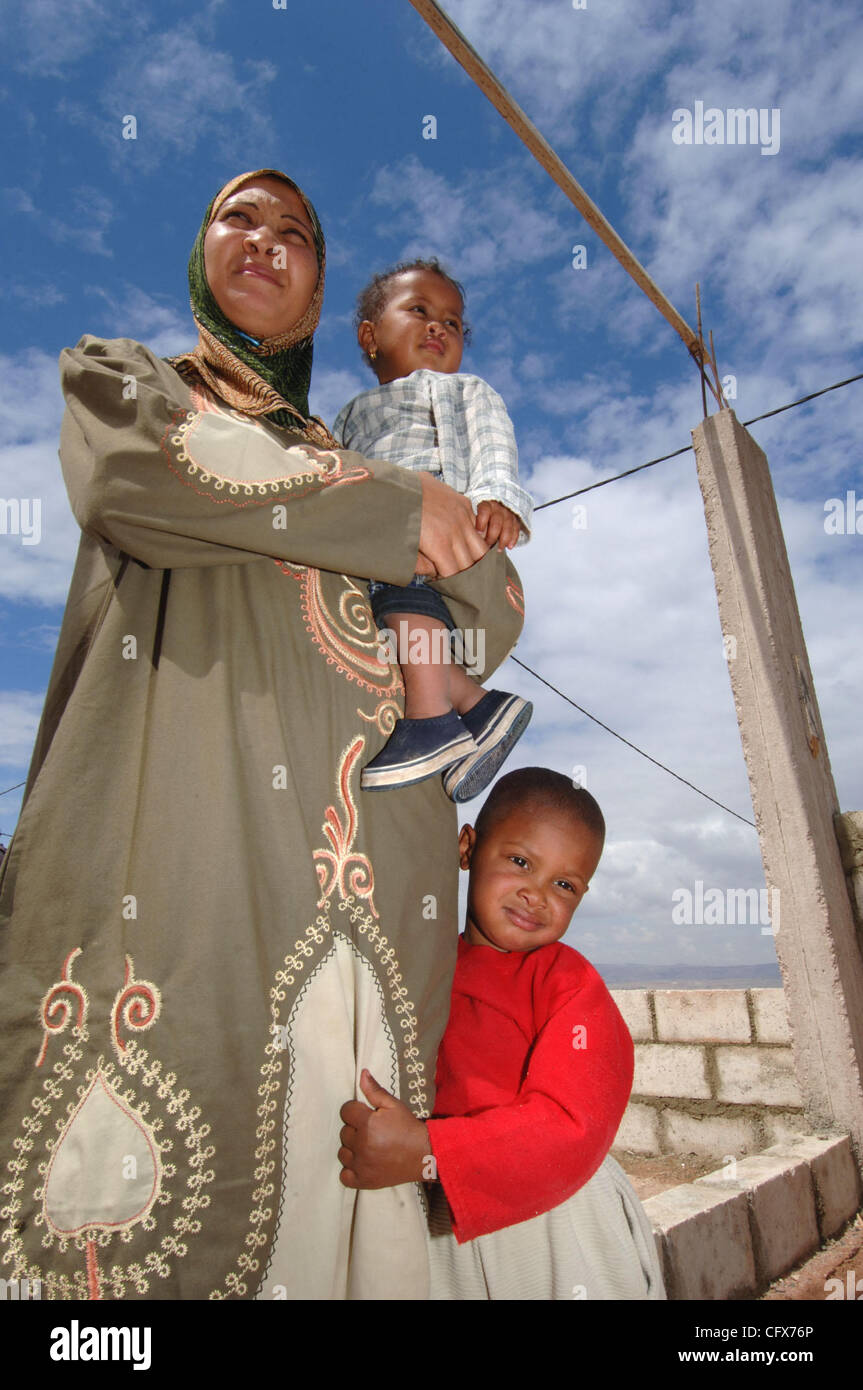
point(454, 40)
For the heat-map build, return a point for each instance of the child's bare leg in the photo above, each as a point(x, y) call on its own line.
point(420, 647)
point(464, 693)
point(433, 684)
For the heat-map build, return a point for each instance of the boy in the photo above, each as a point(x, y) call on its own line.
point(534, 1073)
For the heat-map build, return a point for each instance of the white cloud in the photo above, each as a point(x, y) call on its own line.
point(558, 61)
point(486, 224)
point(42, 637)
point(91, 216)
point(159, 322)
point(30, 414)
point(88, 215)
point(17, 200)
point(44, 37)
point(35, 296)
point(770, 238)
point(31, 403)
point(333, 389)
point(594, 67)
point(181, 92)
point(781, 268)
point(20, 712)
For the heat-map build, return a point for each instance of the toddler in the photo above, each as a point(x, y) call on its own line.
point(534, 1073)
point(426, 415)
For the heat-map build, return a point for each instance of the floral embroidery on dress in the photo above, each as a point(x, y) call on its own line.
point(105, 1169)
point(331, 864)
point(313, 469)
point(515, 596)
point(345, 634)
point(298, 468)
point(56, 1007)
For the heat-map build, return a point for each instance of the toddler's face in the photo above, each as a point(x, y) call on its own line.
point(421, 326)
point(528, 874)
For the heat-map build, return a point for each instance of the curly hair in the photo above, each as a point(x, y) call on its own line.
point(372, 300)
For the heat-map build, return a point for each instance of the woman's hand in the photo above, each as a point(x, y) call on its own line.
point(449, 540)
point(383, 1146)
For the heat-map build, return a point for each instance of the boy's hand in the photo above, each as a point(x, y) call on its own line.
point(496, 523)
point(384, 1146)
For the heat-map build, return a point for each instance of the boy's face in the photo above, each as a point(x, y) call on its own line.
point(528, 874)
point(421, 326)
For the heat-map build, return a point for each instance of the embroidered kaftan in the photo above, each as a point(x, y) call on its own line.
point(207, 928)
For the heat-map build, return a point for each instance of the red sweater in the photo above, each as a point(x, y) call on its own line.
point(533, 1077)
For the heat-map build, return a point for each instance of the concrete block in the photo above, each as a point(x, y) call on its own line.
point(710, 1134)
point(639, 1130)
point(834, 1172)
point(782, 1129)
point(707, 1246)
point(771, 1016)
point(757, 1076)
point(782, 1210)
point(634, 1004)
point(702, 1015)
point(671, 1069)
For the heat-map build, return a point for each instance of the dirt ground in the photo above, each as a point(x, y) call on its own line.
point(653, 1174)
point(840, 1259)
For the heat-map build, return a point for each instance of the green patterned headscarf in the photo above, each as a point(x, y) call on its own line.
point(284, 364)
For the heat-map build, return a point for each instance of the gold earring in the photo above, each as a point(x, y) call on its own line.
point(373, 354)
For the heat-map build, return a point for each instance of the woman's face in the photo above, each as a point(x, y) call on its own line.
point(260, 258)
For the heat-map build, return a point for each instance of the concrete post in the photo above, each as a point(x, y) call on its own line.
point(849, 832)
point(793, 794)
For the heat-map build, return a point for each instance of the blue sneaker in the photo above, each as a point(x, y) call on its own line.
point(497, 723)
point(416, 749)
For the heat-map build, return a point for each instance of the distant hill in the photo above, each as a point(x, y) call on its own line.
point(764, 976)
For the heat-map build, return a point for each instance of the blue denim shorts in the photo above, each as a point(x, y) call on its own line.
point(415, 597)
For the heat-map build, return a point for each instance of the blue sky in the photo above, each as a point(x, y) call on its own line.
point(621, 613)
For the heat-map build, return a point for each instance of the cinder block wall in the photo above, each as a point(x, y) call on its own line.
point(713, 1072)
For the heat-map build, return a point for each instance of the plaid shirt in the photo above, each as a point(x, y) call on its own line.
point(449, 424)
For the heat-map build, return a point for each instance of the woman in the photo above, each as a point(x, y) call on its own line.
point(202, 947)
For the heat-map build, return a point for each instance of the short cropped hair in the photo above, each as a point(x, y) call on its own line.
point(539, 786)
point(372, 300)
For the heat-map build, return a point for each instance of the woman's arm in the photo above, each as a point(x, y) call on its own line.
point(174, 487)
